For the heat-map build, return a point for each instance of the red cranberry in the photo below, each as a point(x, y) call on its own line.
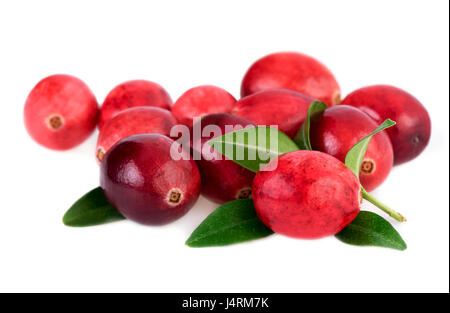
point(285, 108)
point(295, 71)
point(142, 181)
point(413, 130)
point(309, 195)
point(339, 128)
point(133, 121)
point(131, 94)
point(60, 112)
point(200, 101)
point(222, 179)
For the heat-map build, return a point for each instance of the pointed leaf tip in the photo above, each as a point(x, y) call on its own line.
point(90, 210)
point(370, 229)
point(234, 222)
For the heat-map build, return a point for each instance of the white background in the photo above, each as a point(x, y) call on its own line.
point(181, 44)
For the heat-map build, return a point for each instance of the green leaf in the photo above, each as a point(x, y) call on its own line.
point(92, 209)
point(302, 138)
point(370, 229)
point(253, 147)
point(231, 223)
point(355, 155)
point(354, 159)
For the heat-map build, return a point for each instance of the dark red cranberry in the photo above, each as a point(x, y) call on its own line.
point(222, 179)
point(339, 128)
point(145, 184)
point(413, 130)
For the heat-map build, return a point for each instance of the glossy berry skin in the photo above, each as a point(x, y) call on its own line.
point(200, 101)
point(294, 71)
point(413, 130)
point(133, 121)
point(142, 181)
point(339, 128)
point(135, 93)
point(222, 179)
point(60, 112)
point(285, 108)
point(309, 195)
